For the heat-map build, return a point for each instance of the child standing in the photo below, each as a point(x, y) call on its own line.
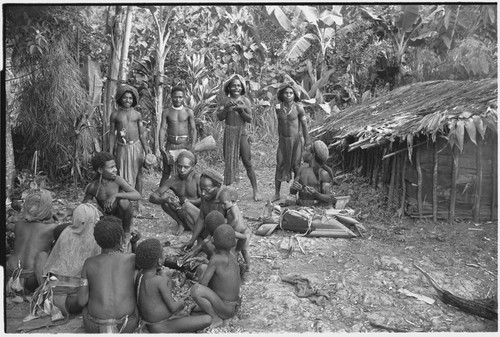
point(218, 290)
point(112, 193)
point(156, 305)
point(228, 197)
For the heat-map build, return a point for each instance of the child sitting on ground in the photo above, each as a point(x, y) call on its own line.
point(156, 305)
point(217, 292)
point(213, 220)
point(112, 193)
point(228, 197)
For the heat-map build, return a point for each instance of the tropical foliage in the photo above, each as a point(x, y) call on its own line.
point(337, 56)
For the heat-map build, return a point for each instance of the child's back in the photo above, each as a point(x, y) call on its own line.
point(225, 281)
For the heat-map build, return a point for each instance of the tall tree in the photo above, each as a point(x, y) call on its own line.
point(117, 30)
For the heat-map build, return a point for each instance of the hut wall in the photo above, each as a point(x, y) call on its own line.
point(465, 182)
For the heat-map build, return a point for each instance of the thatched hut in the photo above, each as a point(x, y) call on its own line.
point(432, 146)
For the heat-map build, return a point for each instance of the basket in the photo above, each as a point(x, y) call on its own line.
point(341, 201)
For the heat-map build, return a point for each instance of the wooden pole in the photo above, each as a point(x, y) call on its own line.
point(434, 181)
point(494, 190)
point(403, 189)
point(397, 181)
point(453, 190)
point(391, 185)
point(419, 182)
point(376, 168)
point(476, 211)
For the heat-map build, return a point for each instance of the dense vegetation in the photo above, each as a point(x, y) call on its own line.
point(336, 55)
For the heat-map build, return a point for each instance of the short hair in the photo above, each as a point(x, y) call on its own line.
point(224, 237)
point(108, 232)
point(213, 220)
point(100, 159)
point(177, 88)
point(147, 254)
point(228, 193)
point(59, 229)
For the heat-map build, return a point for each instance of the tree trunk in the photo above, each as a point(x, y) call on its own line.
point(112, 78)
point(125, 47)
point(161, 49)
point(10, 167)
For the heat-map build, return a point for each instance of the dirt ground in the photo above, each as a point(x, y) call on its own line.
point(366, 282)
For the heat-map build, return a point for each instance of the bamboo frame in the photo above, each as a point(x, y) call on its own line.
point(434, 181)
point(419, 181)
point(476, 207)
point(453, 191)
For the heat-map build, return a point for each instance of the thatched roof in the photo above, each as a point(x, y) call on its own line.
point(436, 108)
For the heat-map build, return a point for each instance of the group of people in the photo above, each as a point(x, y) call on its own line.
point(118, 281)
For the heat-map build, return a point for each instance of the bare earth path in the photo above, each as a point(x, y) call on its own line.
point(365, 279)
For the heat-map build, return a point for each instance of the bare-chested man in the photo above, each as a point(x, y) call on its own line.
point(179, 196)
point(112, 193)
point(218, 290)
point(314, 183)
point(126, 138)
point(178, 125)
point(236, 111)
point(291, 119)
point(107, 292)
point(34, 233)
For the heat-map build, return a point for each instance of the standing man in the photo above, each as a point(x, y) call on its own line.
point(179, 196)
point(236, 110)
point(291, 119)
point(126, 139)
point(177, 123)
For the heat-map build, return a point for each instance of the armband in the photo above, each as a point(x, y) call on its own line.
point(84, 282)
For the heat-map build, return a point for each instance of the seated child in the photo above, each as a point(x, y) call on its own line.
point(157, 307)
point(227, 198)
point(112, 193)
point(107, 292)
point(217, 292)
point(213, 220)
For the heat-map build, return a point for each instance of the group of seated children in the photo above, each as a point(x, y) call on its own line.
point(115, 298)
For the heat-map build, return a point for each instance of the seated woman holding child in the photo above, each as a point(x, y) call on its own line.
point(313, 183)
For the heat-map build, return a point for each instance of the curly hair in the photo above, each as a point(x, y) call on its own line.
point(213, 220)
point(108, 232)
point(228, 193)
point(147, 254)
point(177, 88)
point(224, 237)
point(100, 159)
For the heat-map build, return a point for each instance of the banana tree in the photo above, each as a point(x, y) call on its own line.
point(320, 30)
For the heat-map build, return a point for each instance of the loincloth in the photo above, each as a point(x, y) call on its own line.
point(290, 149)
point(235, 304)
point(231, 150)
point(127, 323)
point(148, 325)
point(18, 277)
point(129, 160)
